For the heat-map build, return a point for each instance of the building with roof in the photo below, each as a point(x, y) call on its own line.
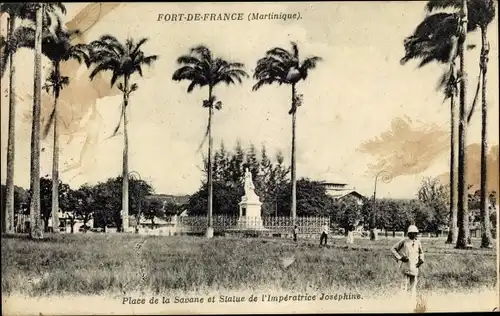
point(342, 190)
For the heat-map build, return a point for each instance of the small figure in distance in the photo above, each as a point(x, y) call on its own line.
point(324, 234)
point(295, 232)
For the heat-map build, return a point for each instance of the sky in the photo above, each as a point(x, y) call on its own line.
point(358, 95)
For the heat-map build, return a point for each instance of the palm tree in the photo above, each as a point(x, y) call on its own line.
point(36, 225)
point(123, 60)
point(202, 69)
point(285, 67)
point(15, 11)
point(41, 14)
point(480, 14)
point(58, 48)
point(436, 40)
point(463, 214)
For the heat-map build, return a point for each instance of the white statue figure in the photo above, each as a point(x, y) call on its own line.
point(249, 187)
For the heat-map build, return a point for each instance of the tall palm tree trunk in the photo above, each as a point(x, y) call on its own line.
point(209, 233)
point(55, 159)
point(485, 216)
point(9, 203)
point(125, 159)
point(294, 167)
point(452, 234)
point(36, 229)
point(463, 214)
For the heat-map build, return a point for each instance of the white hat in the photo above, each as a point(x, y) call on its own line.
point(412, 229)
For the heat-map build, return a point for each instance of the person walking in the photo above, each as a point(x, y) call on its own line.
point(410, 253)
point(324, 234)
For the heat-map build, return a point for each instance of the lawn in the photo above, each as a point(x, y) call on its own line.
point(117, 264)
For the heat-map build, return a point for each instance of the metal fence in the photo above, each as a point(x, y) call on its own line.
point(233, 224)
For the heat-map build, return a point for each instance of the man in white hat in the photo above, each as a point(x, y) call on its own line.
point(409, 251)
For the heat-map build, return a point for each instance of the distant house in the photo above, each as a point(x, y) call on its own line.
point(340, 191)
point(178, 200)
point(65, 221)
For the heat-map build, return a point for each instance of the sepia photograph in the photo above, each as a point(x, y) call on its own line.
point(249, 158)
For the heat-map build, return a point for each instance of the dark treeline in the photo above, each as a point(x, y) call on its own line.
point(100, 202)
point(272, 184)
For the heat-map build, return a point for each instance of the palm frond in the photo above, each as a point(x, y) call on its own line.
point(129, 45)
point(137, 47)
point(117, 128)
point(148, 61)
point(105, 65)
point(201, 68)
point(16, 9)
point(123, 59)
point(203, 51)
point(48, 125)
point(64, 81)
point(308, 64)
point(269, 81)
point(270, 70)
point(195, 83)
point(186, 59)
point(236, 65)
point(270, 63)
point(207, 130)
point(134, 87)
point(139, 70)
point(448, 82)
point(433, 5)
point(434, 39)
point(53, 6)
point(281, 53)
point(81, 53)
point(295, 50)
point(114, 77)
point(480, 12)
point(476, 95)
point(110, 44)
point(190, 73)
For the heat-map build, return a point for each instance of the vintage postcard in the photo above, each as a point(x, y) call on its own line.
point(248, 158)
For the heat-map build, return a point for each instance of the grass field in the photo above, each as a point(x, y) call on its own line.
point(115, 264)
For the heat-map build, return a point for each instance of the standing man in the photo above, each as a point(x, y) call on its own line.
point(50, 226)
point(324, 234)
point(295, 232)
point(411, 255)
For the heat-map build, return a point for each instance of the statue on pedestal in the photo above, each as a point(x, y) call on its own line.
point(250, 206)
point(249, 187)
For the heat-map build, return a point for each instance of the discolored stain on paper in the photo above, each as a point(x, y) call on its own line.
point(474, 169)
point(406, 149)
point(78, 115)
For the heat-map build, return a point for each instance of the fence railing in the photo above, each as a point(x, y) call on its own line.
point(226, 224)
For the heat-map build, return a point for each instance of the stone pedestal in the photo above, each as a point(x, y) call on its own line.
point(250, 213)
point(209, 233)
